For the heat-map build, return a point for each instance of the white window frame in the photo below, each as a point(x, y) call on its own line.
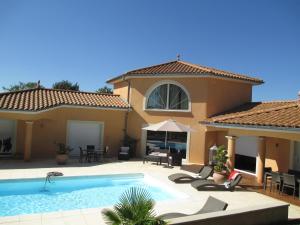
point(168, 82)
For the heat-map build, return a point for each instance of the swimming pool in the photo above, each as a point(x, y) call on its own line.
point(28, 196)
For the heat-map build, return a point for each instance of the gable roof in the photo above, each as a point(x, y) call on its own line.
point(35, 100)
point(281, 114)
point(185, 68)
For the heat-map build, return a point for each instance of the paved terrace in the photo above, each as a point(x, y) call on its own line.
point(195, 200)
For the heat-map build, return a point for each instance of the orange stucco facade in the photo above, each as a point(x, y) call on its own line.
point(207, 97)
point(51, 126)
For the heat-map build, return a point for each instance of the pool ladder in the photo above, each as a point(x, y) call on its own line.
point(50, 175)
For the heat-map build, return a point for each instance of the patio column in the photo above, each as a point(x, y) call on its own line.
point(231, 151)
point(261, 159)
point(28, 140)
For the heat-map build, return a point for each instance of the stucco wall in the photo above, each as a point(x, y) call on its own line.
point(51, 126)
point(278, 154)
point(223, 95)
point(208, 96)
point(121, 89)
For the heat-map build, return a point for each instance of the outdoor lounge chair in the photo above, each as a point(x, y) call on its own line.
point(203, 174)
point(210, 185)
point(211, 205)
point(124, 153)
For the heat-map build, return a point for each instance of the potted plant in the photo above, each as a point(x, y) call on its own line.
point(220, 167)
point(62, 153)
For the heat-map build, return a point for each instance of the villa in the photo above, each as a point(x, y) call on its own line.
point(216, 104)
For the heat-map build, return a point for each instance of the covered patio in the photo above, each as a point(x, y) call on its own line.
point(259, 136)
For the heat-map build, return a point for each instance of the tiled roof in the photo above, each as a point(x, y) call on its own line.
point(284, 114)
point(185, 68)
point(41, 99)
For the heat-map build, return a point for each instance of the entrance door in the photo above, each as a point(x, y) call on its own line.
point(296, 156)
point(83, 133)
point(176, 141)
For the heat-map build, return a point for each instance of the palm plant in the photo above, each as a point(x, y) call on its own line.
point(135, 207)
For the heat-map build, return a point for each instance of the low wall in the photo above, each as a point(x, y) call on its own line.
point(260, 215)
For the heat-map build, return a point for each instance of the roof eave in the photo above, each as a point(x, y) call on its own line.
point(251, 127)
point(186, 75)
point(64, 106)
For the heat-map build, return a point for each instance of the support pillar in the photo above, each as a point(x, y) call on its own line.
point(261, 160)
point(28, 140)
point(231, 151)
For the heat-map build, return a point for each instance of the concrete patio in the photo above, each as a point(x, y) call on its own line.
point(12, 169)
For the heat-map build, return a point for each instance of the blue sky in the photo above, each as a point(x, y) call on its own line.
point(90, 41)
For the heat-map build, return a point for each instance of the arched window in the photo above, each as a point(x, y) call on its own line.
point(168, 96)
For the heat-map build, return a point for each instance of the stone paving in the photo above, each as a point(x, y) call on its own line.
point(193, 202)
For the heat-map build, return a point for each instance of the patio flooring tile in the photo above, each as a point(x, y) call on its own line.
point(53, 221)
point(193, 201)
point(74, 220)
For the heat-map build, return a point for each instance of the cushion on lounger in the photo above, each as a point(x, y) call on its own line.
point(125, 149)
point(232, 175)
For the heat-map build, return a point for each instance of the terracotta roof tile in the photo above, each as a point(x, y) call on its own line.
point(41, 99)
point(271, 114)
point(185, 68)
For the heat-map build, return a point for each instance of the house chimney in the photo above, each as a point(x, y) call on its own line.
point(38, 84)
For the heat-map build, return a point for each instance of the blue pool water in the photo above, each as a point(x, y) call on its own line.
point(27, 196)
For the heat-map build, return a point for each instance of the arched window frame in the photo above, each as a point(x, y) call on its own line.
point(149, 91)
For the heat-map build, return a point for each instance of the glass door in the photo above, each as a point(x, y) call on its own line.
point(176, 141)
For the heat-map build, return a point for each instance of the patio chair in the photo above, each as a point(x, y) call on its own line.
point(203, 174)
point(210, 185)
point(275, 181)
point(90, 150)
point(289, 181)
point(124, 153)
point(82, 155)
point(211, 205)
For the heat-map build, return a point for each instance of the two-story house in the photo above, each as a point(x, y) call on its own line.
point(216, 104)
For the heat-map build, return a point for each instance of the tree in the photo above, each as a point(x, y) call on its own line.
point(135, 207)
point(22, 86)
point(105, 89)
point(66, 85)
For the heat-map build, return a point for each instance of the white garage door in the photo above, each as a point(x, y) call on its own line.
point(247, 145)
point(83, 133)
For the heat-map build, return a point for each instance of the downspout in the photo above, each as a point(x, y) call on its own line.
point(127, 112)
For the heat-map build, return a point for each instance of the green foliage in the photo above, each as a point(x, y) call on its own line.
point(21, 86)
point(221, 160)
point(135, 207)
point(66, 85)
point(62, 149)
point(105, 90)
point(131, 143)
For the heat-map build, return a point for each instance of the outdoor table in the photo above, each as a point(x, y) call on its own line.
point(156, 157)
point(94, 154)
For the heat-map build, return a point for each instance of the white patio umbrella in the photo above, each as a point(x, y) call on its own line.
point(169, 125)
